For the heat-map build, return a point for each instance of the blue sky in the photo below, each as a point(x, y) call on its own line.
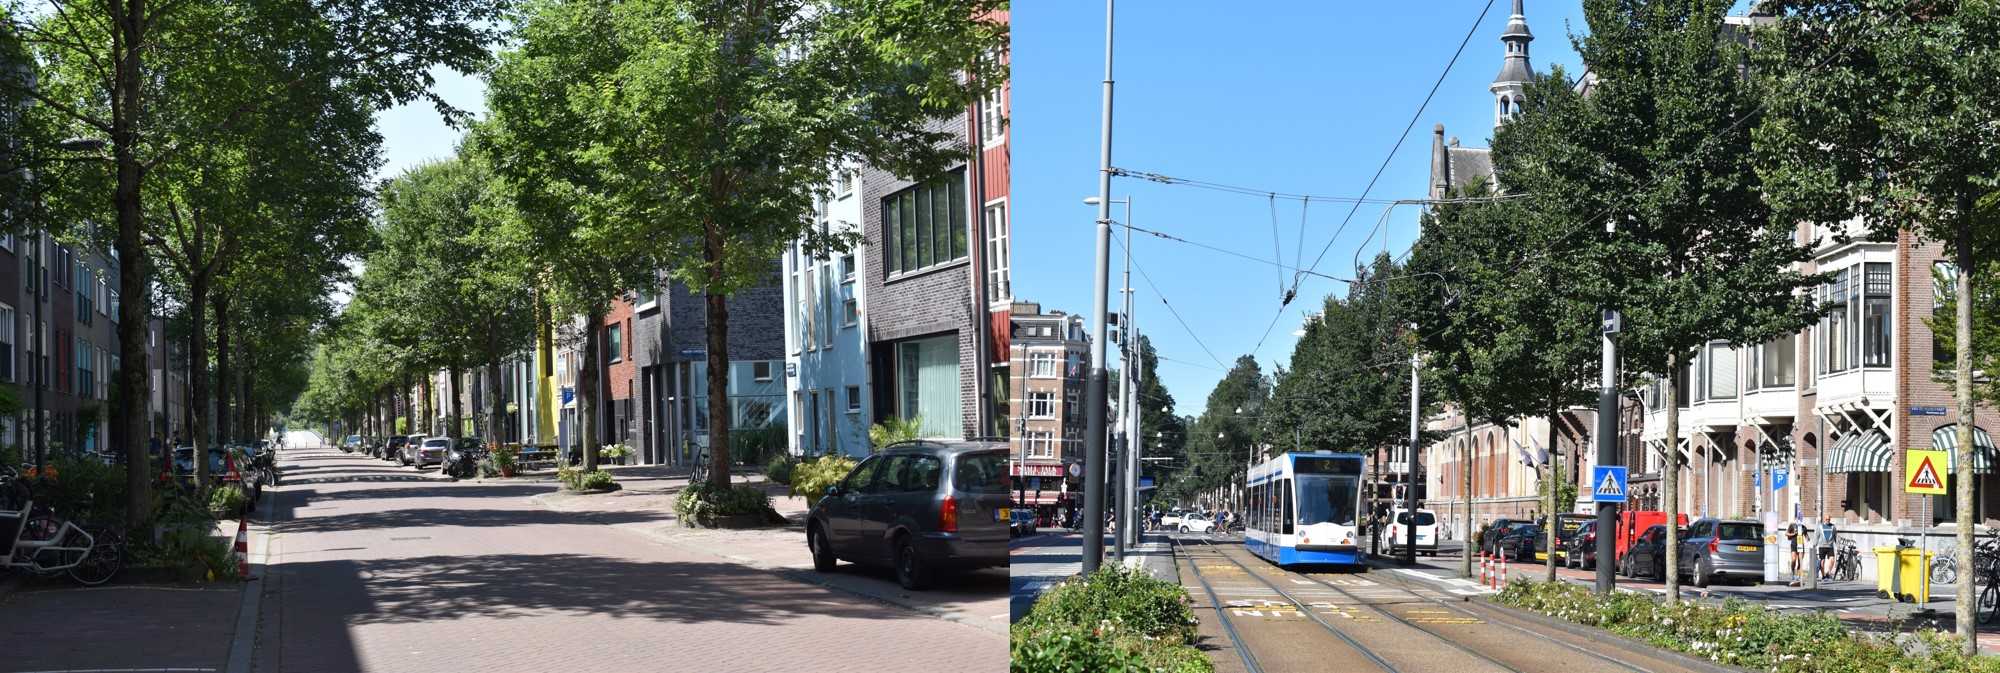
point(413, 134)
point(1296, 97)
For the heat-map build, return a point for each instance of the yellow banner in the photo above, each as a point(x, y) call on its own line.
point(1924, 472)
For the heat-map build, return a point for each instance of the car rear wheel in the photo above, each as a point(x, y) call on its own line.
point(1702, 573)
point(910, 568)
point(1660, 570)
point(822, 550)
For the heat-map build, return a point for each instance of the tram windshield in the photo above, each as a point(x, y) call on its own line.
point(1328, 498)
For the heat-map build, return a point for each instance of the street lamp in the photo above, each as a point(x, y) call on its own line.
point(1094, 393)
point(1128, 406)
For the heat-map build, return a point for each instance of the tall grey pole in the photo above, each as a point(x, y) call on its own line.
point(1129, 506)
point(1093, 392)
point(1607, 452)
point(1410, 475)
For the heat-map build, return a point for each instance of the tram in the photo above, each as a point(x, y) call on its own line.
point(1305, 508)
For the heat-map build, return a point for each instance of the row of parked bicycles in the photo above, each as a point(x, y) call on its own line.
point(44, 538)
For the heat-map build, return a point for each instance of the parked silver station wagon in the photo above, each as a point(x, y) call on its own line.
point(919, 507)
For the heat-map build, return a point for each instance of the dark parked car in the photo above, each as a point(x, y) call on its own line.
point(1024, 522)
point(1489, 539)
point(917, 507)
point(393, 448)
point(1718, 548)
point(1521, 542)
point(1582, 548)
point(225, 466)
point(1648, 555)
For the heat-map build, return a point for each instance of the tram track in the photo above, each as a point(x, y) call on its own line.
point(1243, 646)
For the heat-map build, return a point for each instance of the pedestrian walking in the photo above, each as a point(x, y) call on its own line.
point(1826, 537)
point(1795, 534)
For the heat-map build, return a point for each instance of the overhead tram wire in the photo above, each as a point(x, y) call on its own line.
point(1176, 313)
point(1297, 278)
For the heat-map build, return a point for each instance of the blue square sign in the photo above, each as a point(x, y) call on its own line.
point(1607, 483)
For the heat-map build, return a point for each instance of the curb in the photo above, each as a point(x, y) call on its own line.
point(788, 573)
point(243, 647)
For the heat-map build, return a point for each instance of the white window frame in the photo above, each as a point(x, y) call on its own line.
point(993, 118)
point(7, 340)
point(761, 371)
point(854, 399)
point(1040, 404)
point(851, 311)
point(1043, 365)
point(999, 270)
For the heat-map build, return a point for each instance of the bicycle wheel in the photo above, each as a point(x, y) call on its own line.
point(1989, 603)
point(1848, 569)
point(105, 557)
point(1944, 570)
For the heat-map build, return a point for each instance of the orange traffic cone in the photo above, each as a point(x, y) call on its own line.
point(243, 547)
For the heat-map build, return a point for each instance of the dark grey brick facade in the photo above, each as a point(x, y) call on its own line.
point(679, 322)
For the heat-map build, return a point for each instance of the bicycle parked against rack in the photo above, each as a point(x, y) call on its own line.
point(1846, 561)
point(37, 536)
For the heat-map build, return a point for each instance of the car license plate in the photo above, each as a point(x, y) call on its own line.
point(1002, 514)
point(1541, 557)
point(1745, 547)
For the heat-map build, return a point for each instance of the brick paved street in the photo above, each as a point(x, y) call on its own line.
point(381, 568)
point(55, 625)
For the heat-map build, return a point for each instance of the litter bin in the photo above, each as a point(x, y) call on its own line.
point(1900, 574)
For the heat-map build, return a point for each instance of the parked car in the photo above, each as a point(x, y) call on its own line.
point(1172, 519)
point(1426, 523)
point(351, 443)
point(1194, 523)
point(1647, 555)
point(1723, 549)
point(1489, 539)
point(1582, 548)
point(225, 466)
point(918, 507)
point(393, 449)
point(1521, 542)
point(408, 455)
point(429, 451)
point(1023, 520)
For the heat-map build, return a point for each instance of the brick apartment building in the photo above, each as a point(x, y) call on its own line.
point(1049, 359)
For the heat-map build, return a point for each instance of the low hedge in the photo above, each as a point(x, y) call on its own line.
point(1743, 634)
point(1118, 619)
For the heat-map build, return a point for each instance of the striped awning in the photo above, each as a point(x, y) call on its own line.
point(1860, 452)
point(1984, 456)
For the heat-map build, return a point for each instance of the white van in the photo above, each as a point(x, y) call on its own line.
point(1426, 524)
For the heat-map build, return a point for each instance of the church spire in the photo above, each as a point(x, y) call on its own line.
point(1514, 70)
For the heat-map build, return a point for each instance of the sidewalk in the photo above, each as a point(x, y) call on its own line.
point(644, 505)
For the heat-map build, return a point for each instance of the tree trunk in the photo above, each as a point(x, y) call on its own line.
point(134, 277)
point(494, 406)
point(198, 374)
point(409, 396)
point(719, 412)
point(588, 381)
point(1670, 479)
point(225, 432)
point(1555, 483)
point(457, 405)
point(1963, 382)
point(1465, 466)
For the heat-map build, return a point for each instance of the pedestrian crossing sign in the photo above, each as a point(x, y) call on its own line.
point(1608, 483)
point(1924, 472)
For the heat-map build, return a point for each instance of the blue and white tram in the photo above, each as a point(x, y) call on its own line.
point(1305, 508)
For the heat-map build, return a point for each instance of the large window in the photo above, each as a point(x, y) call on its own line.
point(1773, 364)
point(84, 379)
point(86, 295)
point(924, 226)
point(992, 122)
point(1877, 322)
point(614, 343)
point(996, 252)
point(1836, 329)
point(1719, 366)
point(1041, 405)
point(927, 384)
point(1039, 445)
point(1042, 365)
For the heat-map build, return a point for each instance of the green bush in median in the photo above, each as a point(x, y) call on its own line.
point(701, 501)
point(811, 478)
point(779, 471)
point(1118, 619)
point(1742, 634)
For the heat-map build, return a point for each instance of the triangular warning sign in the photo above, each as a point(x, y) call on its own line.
point(1610, 485)
point(1926, 476)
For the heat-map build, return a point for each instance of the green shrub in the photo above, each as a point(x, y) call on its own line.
point(226, 498)
point(1742, 634)
point(751, 446)
point(504, 455)
point(780, 470)
point(703, 500)
point(810, 478)
point(892, 430)
point(614, 451)
point(594, 480)
point(219, 555)
point(488, 468)
point(90, 479)
point(1119, 619)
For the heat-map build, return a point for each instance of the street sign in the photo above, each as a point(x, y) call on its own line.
point(1757, 481)
point(1608, 483)
point(1613, 323)
point(1926, 411)
point(1923, 472)
point(1777, 479)
point(791, 369)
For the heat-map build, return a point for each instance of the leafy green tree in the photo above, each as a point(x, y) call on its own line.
point(1885, 110)
point(1348, 387)
point(153, 80)
point(1220, 442)
point(1661, 149)
point(700, 134)
point(1508, 334)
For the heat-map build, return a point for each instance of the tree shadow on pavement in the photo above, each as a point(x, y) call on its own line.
point(473, 516)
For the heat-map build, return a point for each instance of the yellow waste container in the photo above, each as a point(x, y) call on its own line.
point(1900, 574)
